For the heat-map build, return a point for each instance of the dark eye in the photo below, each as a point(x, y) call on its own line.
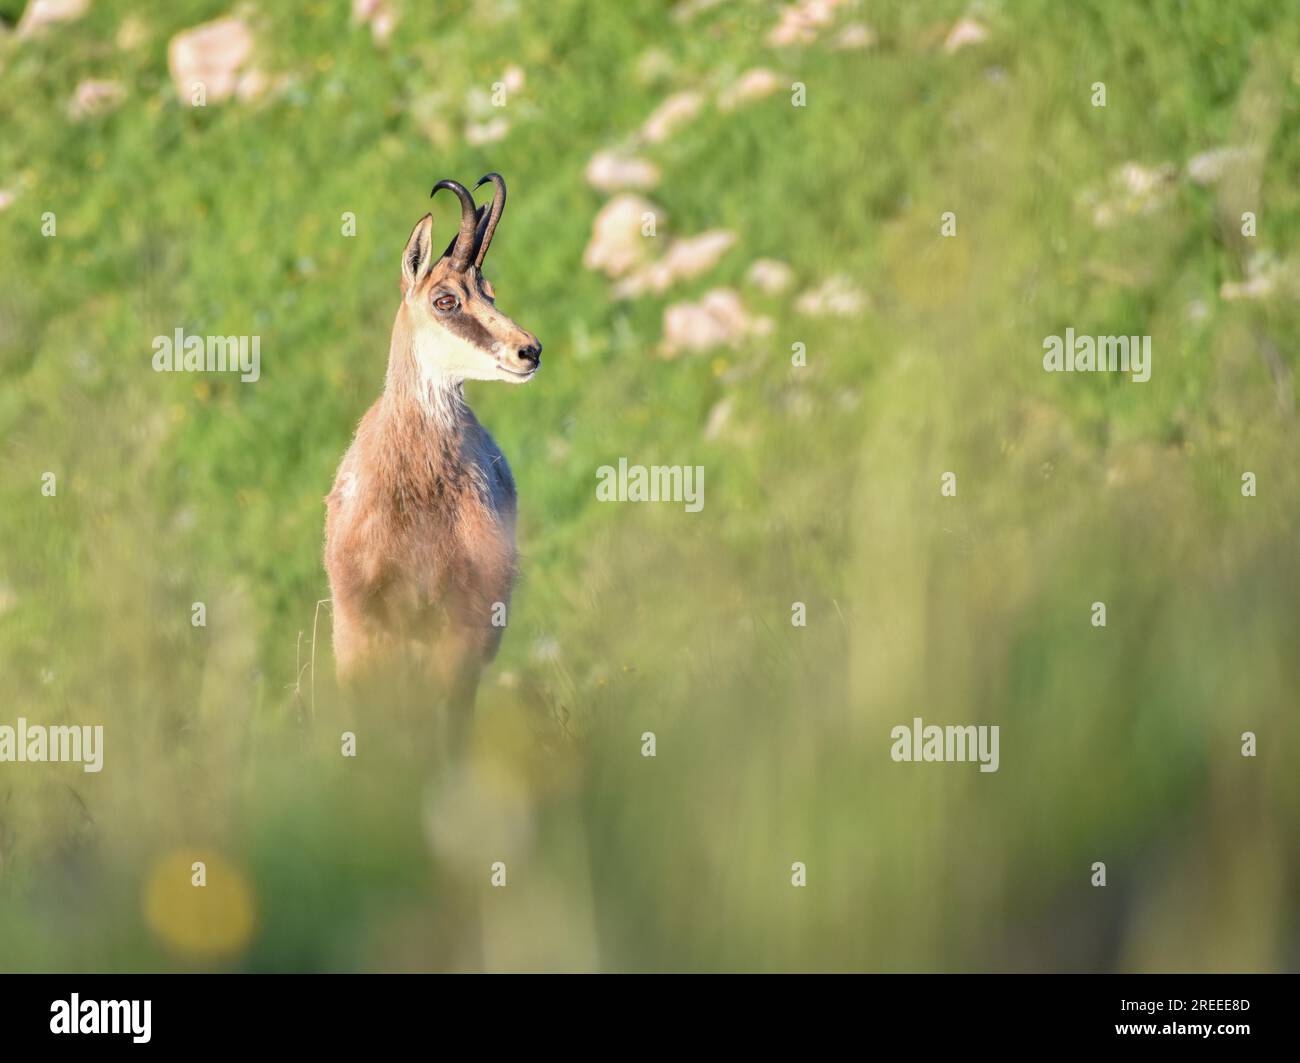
point(445, 303)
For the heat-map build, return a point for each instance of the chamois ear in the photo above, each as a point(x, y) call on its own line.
point(417, 259)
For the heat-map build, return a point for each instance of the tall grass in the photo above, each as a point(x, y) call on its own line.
point(1119, 744)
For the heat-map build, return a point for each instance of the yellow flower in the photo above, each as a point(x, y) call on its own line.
point(199, 904)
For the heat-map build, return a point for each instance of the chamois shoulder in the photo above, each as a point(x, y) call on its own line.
point(495, 470)
point(345, 479)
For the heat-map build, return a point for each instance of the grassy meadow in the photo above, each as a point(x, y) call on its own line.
point(1119, 744)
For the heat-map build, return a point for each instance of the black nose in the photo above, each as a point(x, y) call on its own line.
point(531, 354)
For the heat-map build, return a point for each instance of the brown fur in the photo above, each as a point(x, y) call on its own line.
point(420, 524)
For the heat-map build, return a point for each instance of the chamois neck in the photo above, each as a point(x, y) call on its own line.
point(414, 396)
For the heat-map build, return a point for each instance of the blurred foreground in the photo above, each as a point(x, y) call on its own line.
point(923, 353)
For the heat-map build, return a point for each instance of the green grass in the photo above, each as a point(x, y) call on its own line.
point(1119, 745)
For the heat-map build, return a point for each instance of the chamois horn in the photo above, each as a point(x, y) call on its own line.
point(488, 225)
point(463, 247)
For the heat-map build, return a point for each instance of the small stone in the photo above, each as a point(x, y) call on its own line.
point(378, 15)
point(513, 78)
point(854, 36)
point(617, 245)
point(719, 319)
point(836, 297)
point(215, 55)
point(751, 85)
point(1209, 166)
point(966, 32)
point(94, 98)
point(800, 23)
point(489, 132)
point(41, 14)
point(770, 276)
point(670, 116)
point(685, 258)
point(610, 171)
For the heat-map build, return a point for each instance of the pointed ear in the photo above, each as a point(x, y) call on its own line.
point(417, 259)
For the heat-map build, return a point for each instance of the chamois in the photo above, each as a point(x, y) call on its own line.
point(420, 525)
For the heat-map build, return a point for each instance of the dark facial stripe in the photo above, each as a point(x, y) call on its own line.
point(469, 328)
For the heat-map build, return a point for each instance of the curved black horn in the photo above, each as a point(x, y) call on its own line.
point(479, 224)
point(464, 245)
point(488, 225)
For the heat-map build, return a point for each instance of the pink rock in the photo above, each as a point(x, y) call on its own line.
point(378, 15)
point(488, 132)
point(513, 79)
point(215, 55)
point(719, 319)
point(801, 22)
point(670, 115)
point(41, 14)
point(611, 172)
point(836, 297)
point(854, 35)
point(95, 98)
point(770, 276)
point(251, 85)
point(751, 85)
point(617, 242)
point(965, 32)
point(685, 258)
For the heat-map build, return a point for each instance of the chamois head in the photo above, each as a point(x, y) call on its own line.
point(459, 334)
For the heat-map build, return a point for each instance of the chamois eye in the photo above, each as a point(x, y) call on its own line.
point(445, 303)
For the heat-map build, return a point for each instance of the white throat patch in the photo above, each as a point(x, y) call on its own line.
point(440, 368)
